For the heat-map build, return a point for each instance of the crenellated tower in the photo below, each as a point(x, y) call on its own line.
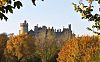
point(23, 28)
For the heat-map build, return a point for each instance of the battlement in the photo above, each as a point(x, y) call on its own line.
point(55, 30)
point(65, 31)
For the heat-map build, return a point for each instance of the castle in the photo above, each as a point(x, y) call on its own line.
point(67, 32)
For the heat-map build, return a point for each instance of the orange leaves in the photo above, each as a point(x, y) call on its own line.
point(20, 46)
point(79, 49)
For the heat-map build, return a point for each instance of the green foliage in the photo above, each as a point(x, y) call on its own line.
point(86, 12)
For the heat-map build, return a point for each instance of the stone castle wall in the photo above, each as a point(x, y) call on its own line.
point(67, 32)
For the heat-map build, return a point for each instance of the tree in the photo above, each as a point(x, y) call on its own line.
point(46, 46)
point(3, 41)
point(88, 12)
point(8, 6)
point(80, 49)
point(20, 48)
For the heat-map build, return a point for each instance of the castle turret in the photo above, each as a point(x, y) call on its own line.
point(70, 26)
point(23, 27)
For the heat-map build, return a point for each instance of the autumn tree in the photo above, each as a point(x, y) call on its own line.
point(80, 49)
point(46, 45)
point(3, 41)
point(52, 49)
point(19, 48)
point(89, 12)
point(61, 39)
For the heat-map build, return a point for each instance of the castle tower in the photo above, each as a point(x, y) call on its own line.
point(70, 26)
point(23, 27)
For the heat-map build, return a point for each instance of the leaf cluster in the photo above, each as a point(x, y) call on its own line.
point(80, 49)
point(8, 7)
point(20, 47)
point(86, 12)
point(33, 1)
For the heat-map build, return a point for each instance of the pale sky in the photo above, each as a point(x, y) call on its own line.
point(56, 13)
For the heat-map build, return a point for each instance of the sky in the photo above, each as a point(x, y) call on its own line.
point(56, 13)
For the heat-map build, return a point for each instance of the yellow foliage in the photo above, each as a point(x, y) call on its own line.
point(82, 14)
point(3, 2)
point(79, 49)
point(82, 6)
point(20, 46)
point(90, 1)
